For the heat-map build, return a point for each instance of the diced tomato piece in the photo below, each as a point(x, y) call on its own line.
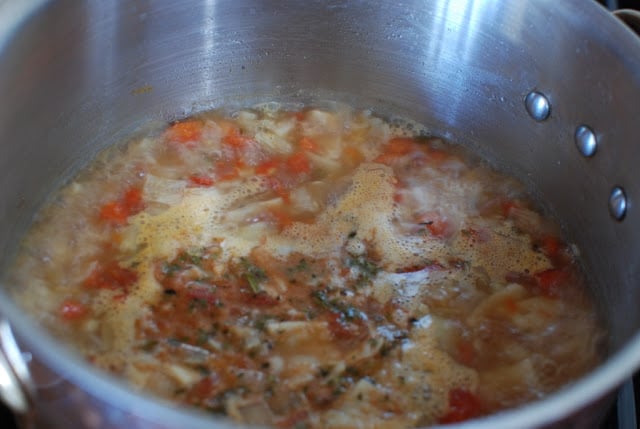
point(204, 387)
point(234, 138)
point(551, 280)
point(431, 265)
point(111, 276)
point(239, 163)
point(308, 144)
point(463, 405)
point(547, 282)
point(320, 394)
point(298, 163)
point(72, 309)
point(507, 206)
point(385, 158)
point(185, 131)
point(208, 387)
point(523, 279)
point(262, 299)
point(437, 225)
point(278, 188)
point(344, 330)
point(511, 305)
point(555, 249)
point(396, 148)
point(439, 228)
point(437, 156)
point(269, 167)
point(281, 218)
point(226, 171)
point(201, 180)
point(551, 246)
point(401, 145)
point(114, 212)
point(203, 293)
point(132, 200)
point(409, 269)
point(339, 328)
point(118, 211)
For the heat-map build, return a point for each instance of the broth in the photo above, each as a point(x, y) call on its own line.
point(310, 268)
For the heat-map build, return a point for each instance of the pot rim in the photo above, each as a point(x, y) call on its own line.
point(553, 408)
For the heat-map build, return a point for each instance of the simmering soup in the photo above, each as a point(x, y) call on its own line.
point(310, 268)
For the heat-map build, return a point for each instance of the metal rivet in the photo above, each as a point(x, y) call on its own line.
point(586, 141)
point(618, 203)
point(537, 105)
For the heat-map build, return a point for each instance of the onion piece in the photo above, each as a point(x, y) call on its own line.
point(165, 191)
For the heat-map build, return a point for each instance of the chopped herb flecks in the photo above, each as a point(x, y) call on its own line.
point(253, 274)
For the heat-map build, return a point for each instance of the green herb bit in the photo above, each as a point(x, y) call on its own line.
point(182, 261)
point(169, 269)
point(386, 350)
point(347, 311)
point(149, 345)
point(197, 303)
point(203, 370)
point(253, 282)
point(254, 274)
point(351, 313)
point(174, 342)
point(323, 372)
point(352, 371)
point(203, 337)
point(261, 321)
point(322, 299)
point(423, 139)
point(190, 258)
point(367, 268)
point(301, 266)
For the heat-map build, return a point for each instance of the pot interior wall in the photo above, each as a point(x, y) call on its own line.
point(80, 76)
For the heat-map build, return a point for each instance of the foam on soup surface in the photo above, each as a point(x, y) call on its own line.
point(312, 268)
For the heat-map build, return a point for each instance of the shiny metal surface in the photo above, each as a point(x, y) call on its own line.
point(11, 391)
point(618, 203)
point(631, 18)
point(17, 390)
point(626, 406)
point(77, 76)
point(537, 105)
point(586, 141)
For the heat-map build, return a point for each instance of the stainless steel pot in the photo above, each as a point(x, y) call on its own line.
point(76, 76)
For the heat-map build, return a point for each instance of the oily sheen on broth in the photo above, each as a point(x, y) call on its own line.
point(310, 268)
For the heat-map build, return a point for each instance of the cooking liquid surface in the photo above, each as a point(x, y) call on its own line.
point(310, 268)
